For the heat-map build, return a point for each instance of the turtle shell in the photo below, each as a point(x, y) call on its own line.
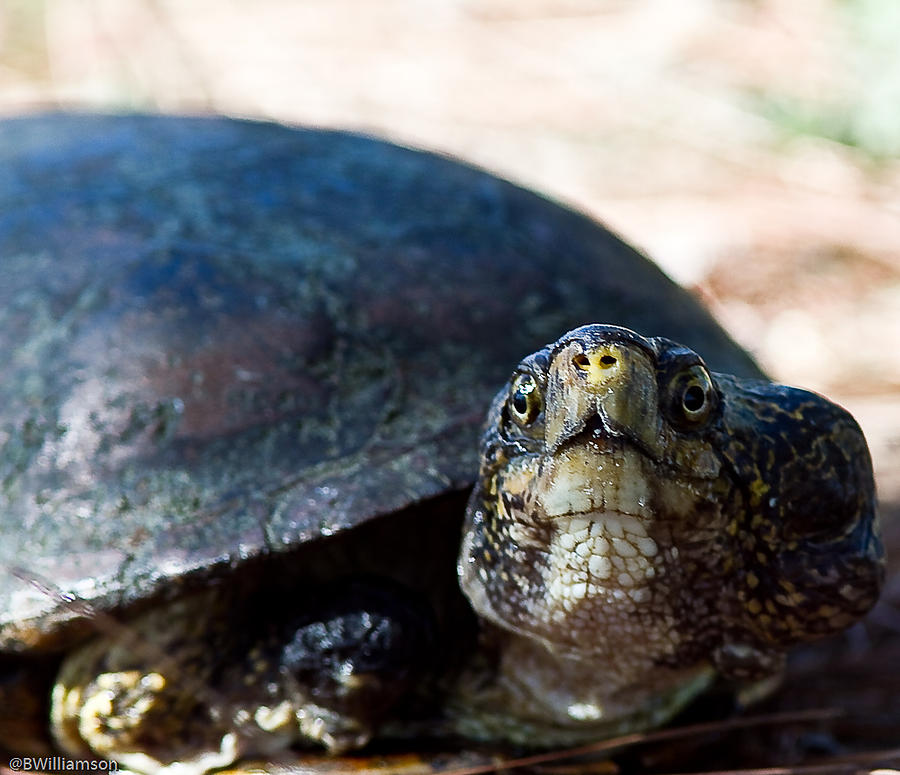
point(222, 339)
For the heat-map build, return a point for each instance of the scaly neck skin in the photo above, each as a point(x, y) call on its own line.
point(561, 669)
point(519, 691)
point(594, 615)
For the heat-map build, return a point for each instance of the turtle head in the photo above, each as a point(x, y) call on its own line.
point(634, 507)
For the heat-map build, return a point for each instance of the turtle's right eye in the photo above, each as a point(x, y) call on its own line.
point(524, 400)
point(690, 397)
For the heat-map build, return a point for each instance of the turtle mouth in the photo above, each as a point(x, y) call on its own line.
point(596, 430)
point(606, 436)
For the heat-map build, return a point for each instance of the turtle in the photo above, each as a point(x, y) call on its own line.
point(251, 501)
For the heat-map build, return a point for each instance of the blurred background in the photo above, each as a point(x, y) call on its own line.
point(751, 147)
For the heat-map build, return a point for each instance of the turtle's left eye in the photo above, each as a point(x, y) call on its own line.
point(524, 400)
point(691, 397)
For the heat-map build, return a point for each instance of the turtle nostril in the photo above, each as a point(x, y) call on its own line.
point(585, 362)
point(582, 362)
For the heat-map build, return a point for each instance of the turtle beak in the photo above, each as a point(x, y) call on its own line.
point(605, 387)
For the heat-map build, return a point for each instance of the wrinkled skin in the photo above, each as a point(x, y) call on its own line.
point(639, 527)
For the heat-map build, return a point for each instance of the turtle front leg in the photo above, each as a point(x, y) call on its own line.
point(144, 696)
point(353, 657)
point(197, 683)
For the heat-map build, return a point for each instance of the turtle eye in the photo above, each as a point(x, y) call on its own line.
point(692, 397)
point(524, 400)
